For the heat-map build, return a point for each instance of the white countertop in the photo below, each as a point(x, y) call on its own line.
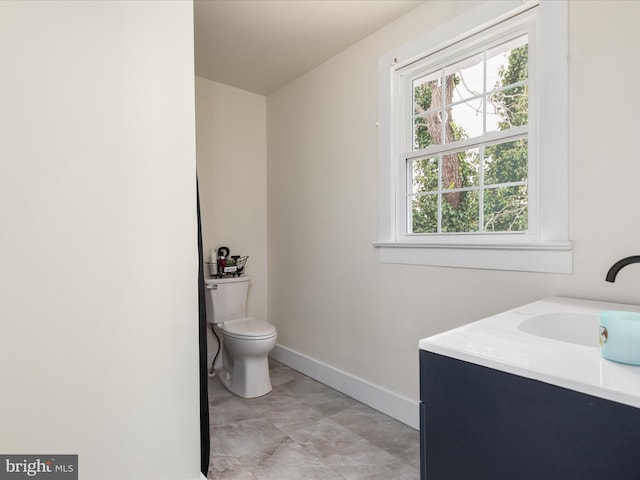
point(497, 342)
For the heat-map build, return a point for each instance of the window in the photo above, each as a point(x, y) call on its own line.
point(473, 142)
point(467, 162)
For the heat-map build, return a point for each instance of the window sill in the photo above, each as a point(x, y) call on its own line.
point(545, 257)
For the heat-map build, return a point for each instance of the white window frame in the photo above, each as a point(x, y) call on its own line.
point(546, 246)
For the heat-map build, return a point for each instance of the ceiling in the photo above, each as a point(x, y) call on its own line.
point(261, 45)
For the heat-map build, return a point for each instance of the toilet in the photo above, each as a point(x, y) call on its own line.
point(245, 342)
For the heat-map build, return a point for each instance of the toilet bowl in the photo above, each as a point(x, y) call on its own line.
point(245, 342)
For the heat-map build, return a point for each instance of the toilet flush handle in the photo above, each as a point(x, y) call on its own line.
point(213, 286)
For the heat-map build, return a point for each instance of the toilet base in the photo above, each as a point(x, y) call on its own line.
point(245, 361)
point(248, 377)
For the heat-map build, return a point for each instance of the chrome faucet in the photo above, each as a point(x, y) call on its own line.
point(619, 265)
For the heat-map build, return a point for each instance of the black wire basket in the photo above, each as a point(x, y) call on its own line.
point(233, 267)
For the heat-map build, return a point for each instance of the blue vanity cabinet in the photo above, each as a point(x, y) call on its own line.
point(477, 423)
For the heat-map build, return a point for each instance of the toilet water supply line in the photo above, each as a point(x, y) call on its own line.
point(213, 330)
point(211, 372)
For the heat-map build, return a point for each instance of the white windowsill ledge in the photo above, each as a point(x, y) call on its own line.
point(547, 257)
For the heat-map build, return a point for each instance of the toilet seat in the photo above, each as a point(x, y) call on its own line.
point(248, 329)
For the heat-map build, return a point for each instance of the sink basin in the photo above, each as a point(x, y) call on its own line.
point(555, 340)
point(577, 328)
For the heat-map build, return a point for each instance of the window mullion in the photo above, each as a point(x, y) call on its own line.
point(499, 136)
point(481, 192)
point(439, 230)
point(485, 87)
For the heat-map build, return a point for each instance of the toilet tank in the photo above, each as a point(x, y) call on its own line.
point(226, 298)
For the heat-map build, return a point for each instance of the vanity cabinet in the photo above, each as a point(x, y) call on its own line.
point(478, 423)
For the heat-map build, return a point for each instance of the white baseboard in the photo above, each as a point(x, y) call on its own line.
point(401, 408)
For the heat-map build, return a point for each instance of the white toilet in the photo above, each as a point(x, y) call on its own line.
point(245, 341)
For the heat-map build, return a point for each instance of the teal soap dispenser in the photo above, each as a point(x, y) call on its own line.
point(620, 337)
point(620, 331)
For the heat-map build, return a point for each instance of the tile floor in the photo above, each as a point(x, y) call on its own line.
point(305, 430)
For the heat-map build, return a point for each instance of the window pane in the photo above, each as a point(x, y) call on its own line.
point(423, 92)
point(424, 214)
point(506, 162)
point(505, 209)
point(466, 120)
point(424, 177)
point(427, 130)
point(421, 96)
point(464, 216)
point(508, 108)
point(460, 169)
point(508, 63)
point(469, 78)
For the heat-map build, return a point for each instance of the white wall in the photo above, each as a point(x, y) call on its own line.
point(330, 297)
point(98, 292)
point(231, 133)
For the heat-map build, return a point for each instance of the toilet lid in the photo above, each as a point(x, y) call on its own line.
point(248, 328)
